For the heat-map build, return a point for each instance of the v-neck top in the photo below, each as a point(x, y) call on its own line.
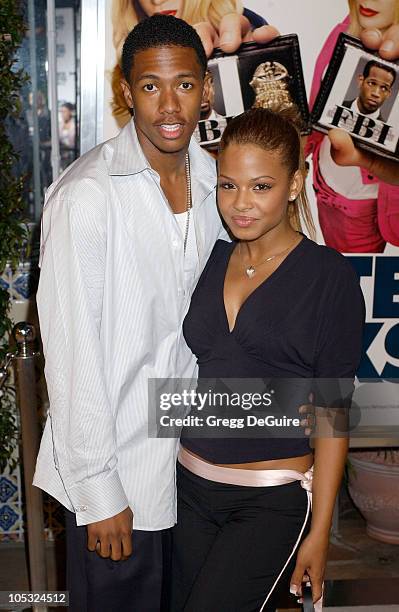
point(304, 321)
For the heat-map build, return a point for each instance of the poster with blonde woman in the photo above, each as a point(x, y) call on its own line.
point(223, 24)
point(374, 203)
point(220, 23)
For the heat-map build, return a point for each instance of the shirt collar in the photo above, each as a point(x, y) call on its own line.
point(128, 159)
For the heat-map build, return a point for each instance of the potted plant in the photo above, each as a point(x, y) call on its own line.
point(373, 482)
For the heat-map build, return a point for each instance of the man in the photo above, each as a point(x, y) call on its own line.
point(117, 274)
point(375, 87)
point(208, 99)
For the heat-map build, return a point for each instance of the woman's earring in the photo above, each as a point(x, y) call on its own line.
point(292, 197)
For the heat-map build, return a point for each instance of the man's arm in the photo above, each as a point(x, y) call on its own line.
point(70, 298)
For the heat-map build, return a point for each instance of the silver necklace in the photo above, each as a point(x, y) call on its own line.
point(188, 202)
point(250, 271)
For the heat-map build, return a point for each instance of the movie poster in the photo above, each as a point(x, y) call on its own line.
point(353, 211)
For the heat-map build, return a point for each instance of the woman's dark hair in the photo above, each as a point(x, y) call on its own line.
point(279, 131)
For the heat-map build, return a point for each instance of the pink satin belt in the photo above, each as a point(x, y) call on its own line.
point(248, 478)
point(244, 478)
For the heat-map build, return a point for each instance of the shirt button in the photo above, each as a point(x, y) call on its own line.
point(81, 508)
point(175, 244)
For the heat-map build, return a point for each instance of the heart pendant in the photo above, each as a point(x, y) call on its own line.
point(250, 272)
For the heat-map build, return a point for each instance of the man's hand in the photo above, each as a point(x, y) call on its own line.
point(307, 413)
point(112, 537)
point(234, 29)
point(345, 153)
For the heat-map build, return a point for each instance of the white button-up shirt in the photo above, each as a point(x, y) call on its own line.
point(114, 289)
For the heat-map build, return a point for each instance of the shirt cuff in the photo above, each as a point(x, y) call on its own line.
point(98, 499)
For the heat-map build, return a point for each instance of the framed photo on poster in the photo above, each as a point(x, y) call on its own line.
point(359, 94)
point(268, 76)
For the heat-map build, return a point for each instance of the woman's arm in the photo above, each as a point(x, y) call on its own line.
point(329, 462)
point(339, 346)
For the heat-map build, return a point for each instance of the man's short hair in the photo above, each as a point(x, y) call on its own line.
point(371, 63)
point(160, 31)
point(69, 106)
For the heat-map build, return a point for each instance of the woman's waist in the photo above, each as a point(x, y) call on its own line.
point(300, 463)
point(267, 473)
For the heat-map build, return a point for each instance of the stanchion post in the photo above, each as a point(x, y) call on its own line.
point(25, 378)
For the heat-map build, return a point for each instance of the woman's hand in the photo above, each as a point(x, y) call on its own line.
point(387, 44)
point(345, 153)
point(310, 565)
point(234, 29)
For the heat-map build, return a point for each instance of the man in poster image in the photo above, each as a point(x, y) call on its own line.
point(375, 87)
point(208, 98)
point(385, 40)
point(211, 123)
point(357, 208)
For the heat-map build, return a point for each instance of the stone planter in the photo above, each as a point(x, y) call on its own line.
point(374, 488)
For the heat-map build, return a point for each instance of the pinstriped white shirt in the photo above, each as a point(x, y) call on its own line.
point(114, 289)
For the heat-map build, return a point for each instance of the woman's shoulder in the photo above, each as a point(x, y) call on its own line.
point(327, 261)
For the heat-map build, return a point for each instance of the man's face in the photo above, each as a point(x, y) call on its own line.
point(208, 98)
point(374, 89)
point(165, 91)
point(65, 113)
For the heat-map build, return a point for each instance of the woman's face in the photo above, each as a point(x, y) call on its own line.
point(254, 187)
point(166, 7)
point(376, 13)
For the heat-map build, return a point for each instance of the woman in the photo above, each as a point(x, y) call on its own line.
point(270, 304)
point(357, 212)
point(206, 15)
point(380, 14)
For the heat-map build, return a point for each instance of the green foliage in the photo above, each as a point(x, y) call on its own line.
point(12, 230)
point(8, 430)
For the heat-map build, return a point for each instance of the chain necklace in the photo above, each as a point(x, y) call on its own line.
point(250, 271)
point(188, 202)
